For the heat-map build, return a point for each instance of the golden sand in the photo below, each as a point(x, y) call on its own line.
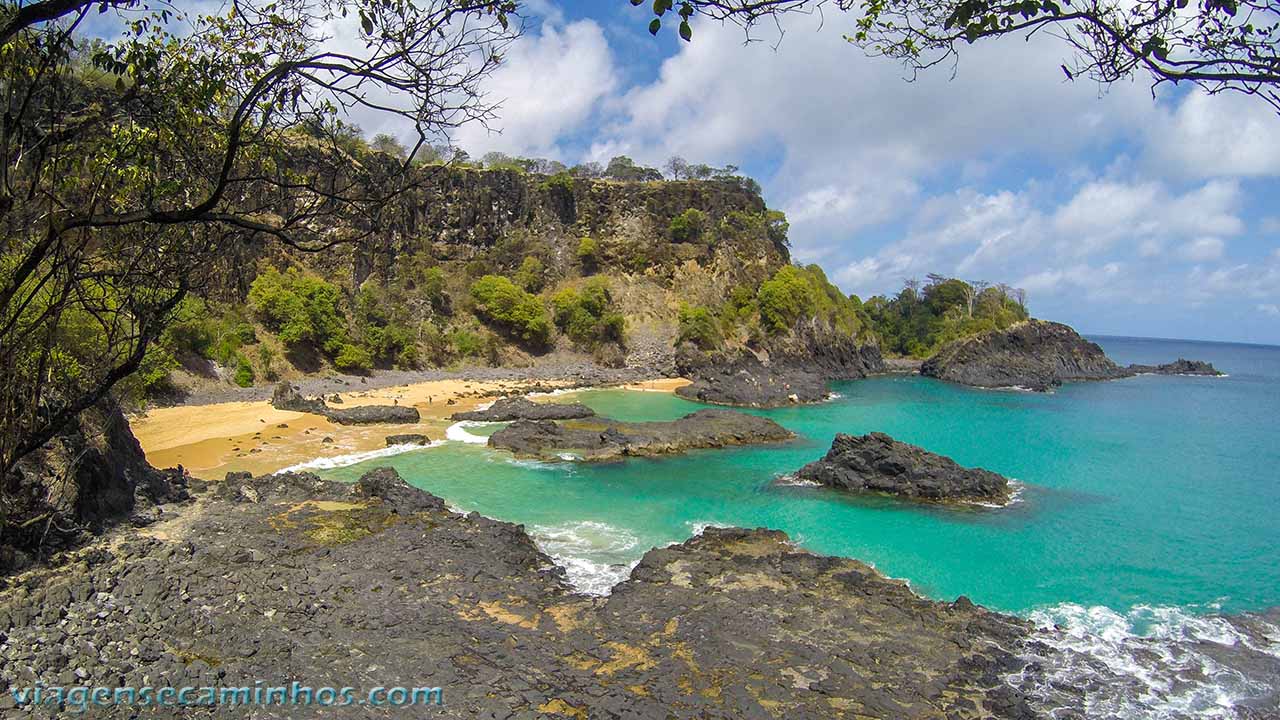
point(211, 440)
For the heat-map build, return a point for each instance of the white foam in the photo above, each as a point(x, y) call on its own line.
point(790, 480)
point(833, 396)
point(1150, 662)
point(595, 555)
point(700, 526)
point(354, 458)
point(457, 432)
point(555, 393)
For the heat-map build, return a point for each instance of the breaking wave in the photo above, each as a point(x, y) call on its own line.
point(338, 461)
point(595, 555)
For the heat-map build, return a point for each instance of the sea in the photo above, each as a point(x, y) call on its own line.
point(1143, 543)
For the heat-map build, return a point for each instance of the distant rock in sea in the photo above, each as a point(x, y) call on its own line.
point(877, 463)
point(508, 409)
point(604, 439)
point(1037, 355)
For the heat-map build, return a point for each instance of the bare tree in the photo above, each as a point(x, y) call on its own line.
point(677, 168)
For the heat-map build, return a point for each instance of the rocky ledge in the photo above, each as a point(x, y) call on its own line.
point(791, 370)
point(287, 397)
point(1037, 355)
point(372, 584)
point(603, 439)
point(508, 409)
point(877, 463)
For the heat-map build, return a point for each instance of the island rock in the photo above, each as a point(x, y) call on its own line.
point(605, 439)
point(877, 463)
point(1180, 366)
point(508, 409)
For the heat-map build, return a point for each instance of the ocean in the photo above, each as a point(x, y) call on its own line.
point(1147, 518)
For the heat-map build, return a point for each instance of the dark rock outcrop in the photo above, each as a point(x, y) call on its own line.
point(1037, 355)
point(287, 397)
point(408, 439)
point(877, 463)
point(1180, 366)
point(508, 409)
point(605, 439)
point(793, 369)
point(416, 596)
point(90, 476)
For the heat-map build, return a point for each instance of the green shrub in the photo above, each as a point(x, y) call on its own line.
point(587, 316)
point(561, 181)
point(301, 309)
point(688, 226)
point(500, 302)
point(588, 252)
point(698, 326)
point(353, 358)
point(532, 275)
point(244, 371)
point(785, 298)
point(466, 343)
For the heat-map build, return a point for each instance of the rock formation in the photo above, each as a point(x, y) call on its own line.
point(1036, 355)
point(520, 408)
point(877, 463)
point(733, 623)
point(605, 439)
point(287, 397)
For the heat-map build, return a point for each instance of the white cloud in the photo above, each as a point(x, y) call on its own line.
point(1217, 136)
point(1269, 309)
point(549, 84)
point(1202, 249)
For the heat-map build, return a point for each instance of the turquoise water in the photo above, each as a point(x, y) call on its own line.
point(1150, 491)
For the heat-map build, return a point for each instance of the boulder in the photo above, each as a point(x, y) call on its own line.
point(877, 463)
point(286, 396)
point(407, 439)
point(508, 409)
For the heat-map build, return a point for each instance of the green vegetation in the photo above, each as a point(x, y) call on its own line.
point(688, 226)
point(918, 321)
point(520, 314)
point(587, 316)
point(588, 253)
point(698, 326)
point(532, 275)
point(561, 181)
point(301, 309)
point(794, 294)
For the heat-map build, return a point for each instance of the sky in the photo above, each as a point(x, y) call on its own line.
point(1118, 212)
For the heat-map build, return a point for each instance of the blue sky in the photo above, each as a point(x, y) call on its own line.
point(1119, 213)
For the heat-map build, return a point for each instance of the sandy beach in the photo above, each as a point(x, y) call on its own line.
point(211, 440)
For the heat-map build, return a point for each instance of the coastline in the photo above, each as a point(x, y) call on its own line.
point(251, 435)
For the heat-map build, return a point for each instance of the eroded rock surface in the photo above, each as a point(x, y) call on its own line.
point(604, 439)
point(508, 409)
point(378, 584)
point(1181, 366)
point(877, 463)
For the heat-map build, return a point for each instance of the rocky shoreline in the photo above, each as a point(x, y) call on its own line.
point(603, 440)
point(290, 577)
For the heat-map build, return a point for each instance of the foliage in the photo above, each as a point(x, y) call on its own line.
point(560, 182)
point(501, 302)
point(625, 169)
point(698, 326)
point(353, 358)
point(532, 275)
point(587, 316)
point(244, 371)
point(588, 252)
point(794, 294)
point(917, 322)
point(688, 226)
point(302, 309)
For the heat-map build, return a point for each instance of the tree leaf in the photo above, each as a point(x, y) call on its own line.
point(686, 32)
point(655, 26)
